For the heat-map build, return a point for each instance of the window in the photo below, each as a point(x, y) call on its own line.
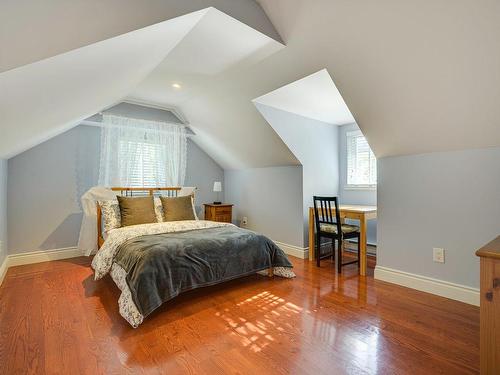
point(141, 153)
point(141, 164)
point(361, 162)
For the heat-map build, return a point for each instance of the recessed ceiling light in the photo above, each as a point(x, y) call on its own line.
point(176, 85)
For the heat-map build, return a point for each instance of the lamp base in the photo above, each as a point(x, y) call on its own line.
point(217, 202)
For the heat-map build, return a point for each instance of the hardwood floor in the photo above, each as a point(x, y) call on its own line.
point(54, 319)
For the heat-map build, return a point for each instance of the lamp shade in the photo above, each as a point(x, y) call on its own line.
point(217, 186)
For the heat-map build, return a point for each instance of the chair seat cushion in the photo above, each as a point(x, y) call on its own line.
point(332, 228)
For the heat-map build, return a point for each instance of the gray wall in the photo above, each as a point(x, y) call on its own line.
point(315, 144)
point(44, 187)
point(350, 196)
point(3, 210)
point(271, 198)
point(46, 182)
point(201, 172)
point(449, 200)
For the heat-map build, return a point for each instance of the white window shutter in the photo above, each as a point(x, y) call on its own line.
point(140, 153)
point(361, 162)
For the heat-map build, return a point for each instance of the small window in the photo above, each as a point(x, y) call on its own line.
point(141, 153)
point(361, 162)
point(142, 164)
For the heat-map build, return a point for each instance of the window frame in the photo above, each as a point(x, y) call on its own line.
point(350, 186)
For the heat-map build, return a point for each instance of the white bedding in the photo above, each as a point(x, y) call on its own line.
point(103, 261)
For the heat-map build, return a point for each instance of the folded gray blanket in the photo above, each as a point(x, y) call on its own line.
point(161, 266)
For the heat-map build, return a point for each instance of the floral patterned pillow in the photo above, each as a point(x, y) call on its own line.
point(158, 210)
point(111, 216)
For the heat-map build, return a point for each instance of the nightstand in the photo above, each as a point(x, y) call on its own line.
point(219, 212)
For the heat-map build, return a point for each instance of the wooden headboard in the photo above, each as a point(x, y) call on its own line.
point(131, 192)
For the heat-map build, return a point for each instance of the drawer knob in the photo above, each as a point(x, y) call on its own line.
point(496, 283)
point(489, 296)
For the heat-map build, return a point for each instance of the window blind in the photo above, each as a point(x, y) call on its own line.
point(141, 153)
point(142, 165)
point(361, 162)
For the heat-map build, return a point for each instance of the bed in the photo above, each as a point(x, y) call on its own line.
point(153, 263)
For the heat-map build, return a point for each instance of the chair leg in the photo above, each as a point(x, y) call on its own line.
point(318, 248)
point(339, 258)
point(333, 249)
point(359, 251)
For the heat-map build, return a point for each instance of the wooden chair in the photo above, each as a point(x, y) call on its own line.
point(329, 225)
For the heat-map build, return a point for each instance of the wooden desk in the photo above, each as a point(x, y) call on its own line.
point(356, 212)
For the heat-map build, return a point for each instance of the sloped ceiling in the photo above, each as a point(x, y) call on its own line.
point(40, 100)
point(417, 76)
point(208, 65)
point(32, 30)
point(314, 96)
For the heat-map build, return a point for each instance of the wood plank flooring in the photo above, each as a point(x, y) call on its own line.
point(55, 319)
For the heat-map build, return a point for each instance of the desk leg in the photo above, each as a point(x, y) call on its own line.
point(311, 234)
point(362, 230)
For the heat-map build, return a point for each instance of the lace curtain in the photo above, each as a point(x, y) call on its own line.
point(141, 153)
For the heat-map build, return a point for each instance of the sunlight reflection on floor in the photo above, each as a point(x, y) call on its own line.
point(255, 335)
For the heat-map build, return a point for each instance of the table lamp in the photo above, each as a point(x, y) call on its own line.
point(217, 189)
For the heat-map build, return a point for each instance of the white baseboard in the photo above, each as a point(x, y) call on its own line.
point(296, 251)
point(43, 256)
point(37, 257)
point(428, 284)
point(3, 268)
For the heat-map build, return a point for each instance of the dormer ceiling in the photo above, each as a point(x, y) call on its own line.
point(417, 76)
point(314, 96)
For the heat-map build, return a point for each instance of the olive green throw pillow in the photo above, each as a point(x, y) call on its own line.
point(136, 211)
point(179, 208)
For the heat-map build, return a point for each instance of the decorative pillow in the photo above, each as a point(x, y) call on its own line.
point(136, 211)
point(158, 210)
point(178, 208)
point(111, 217)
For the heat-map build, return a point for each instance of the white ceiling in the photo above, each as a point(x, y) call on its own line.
point(44, 29)
point(43, 99)
point(208, 64)
point(216, 44)
point(417, 76)
point(314, 96)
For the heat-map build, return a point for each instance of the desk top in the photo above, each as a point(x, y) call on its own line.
point(355, 208)
point(490, 250)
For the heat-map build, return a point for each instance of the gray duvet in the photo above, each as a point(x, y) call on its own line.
point(161, 266)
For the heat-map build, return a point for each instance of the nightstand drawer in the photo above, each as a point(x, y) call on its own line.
point(224, 210)
point(224, 218)
point(219, 212)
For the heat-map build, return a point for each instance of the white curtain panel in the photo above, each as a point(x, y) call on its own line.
point(142, 153)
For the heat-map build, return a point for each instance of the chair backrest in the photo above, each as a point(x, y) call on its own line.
point(323, 212)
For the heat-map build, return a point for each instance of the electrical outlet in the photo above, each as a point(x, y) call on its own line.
point(244, 221)
point(438, 255)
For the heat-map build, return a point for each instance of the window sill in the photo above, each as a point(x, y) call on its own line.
point(360, 187)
